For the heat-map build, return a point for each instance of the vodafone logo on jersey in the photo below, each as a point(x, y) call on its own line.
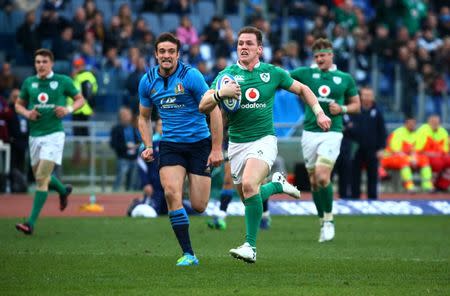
point(252, 94)
point(42, 98)
point(324, 91)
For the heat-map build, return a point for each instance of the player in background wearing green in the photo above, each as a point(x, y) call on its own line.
point(42, 101)
point(252, 142)
point(337, 94)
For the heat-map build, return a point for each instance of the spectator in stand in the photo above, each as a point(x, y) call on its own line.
point(219, 65)
point(432, 141)
point(429, 41)
point(180, 7)
point(125, 15)
point(345, 16)
point(400, 154)
point(90, 8)
point(343, 44)
point(211, 32)
point(28, 38)
point(362, 56)
point(187, 33)
point(113, 33)
point(194, 56)
point(412, 13)
point(8, 80)
point(126, 38)
point(79, 24)
point(97, 26)
point(146, 45)
point(291, 59)
point(444, 21)
point(88, 52)
point(140, 28)
point(63, 46)
point(402, 37)
point(435, 88)
point(370, 148)
point(132, 84)
point(125, 142)
point(130, 60)
point(409, 66)
point(157, 6)
point(50, 25)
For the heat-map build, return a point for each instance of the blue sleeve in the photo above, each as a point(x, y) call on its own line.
point(196, 84)
point(144, 92)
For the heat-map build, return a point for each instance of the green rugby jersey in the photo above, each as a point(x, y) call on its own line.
point(330, 86)
point(254, 119)
point(44, 95)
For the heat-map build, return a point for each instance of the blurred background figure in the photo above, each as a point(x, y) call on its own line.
point(86, 82)
point(18, 138)
point(400, 154)
point(432, 141)
point(125, 142)
point(369, 132)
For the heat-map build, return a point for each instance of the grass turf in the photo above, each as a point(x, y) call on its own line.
point(371, 255)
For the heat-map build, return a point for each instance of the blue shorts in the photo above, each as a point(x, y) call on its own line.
point(192, 156)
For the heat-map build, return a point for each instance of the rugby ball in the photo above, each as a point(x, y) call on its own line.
point(228, 104)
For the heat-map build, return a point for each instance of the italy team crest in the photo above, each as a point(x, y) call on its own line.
point(265, 77)
point(179, 89)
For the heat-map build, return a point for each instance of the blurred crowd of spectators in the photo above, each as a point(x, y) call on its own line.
point(413, 34)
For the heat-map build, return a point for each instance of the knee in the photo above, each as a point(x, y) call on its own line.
point(249, 188)
point(322, 180)
point(199, 207)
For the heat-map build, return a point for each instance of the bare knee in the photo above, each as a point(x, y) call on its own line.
point(322, 179)
point(249, 188)
point(199, 206)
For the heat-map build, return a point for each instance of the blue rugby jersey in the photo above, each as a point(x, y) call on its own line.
point(177, 98)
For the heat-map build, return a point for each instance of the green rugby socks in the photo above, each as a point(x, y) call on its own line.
point(253, 214)
point(39, 200)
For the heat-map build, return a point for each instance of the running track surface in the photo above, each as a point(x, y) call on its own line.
point(115, 205)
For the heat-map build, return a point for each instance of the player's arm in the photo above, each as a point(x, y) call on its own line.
point(144, 126)
point(21, 108)
point(62, 111)
point(353, 107)
point(216, 126)
point(212, 98)
point(144, 119)
point(304, 92)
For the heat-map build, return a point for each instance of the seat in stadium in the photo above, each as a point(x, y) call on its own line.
point(153, 21)
point(205, 10)
point(170, 22)
point(235, 21)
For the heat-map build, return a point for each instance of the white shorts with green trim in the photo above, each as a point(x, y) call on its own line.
point(264, 149)
point(320, 145)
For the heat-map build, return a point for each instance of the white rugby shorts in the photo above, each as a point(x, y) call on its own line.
point(264, 149)
point(326, 145)
point(48, 147)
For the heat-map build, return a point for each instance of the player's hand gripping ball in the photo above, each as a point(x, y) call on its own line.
point(228, 104)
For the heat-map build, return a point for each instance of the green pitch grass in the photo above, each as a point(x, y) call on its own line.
point(124, 256)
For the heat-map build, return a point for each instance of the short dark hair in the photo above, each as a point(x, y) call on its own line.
point(322, 43)
point(167, 37)
point(252, 30)
point(44, 52)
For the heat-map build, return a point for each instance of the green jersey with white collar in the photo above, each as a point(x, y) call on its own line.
point(330, 86)
point(254, 119)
